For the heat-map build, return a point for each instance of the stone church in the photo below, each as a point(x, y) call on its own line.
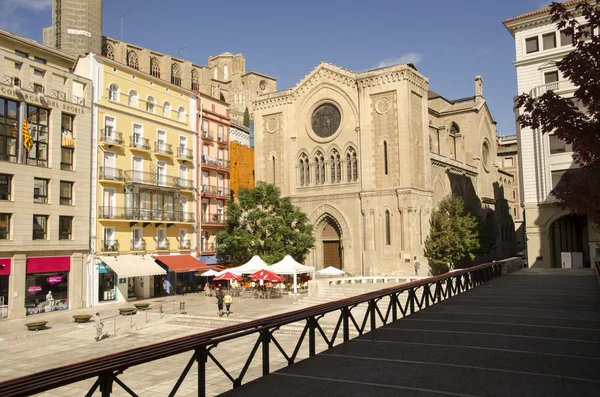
point(369, 155)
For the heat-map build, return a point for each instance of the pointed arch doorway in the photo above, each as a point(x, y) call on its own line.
point(330, 238)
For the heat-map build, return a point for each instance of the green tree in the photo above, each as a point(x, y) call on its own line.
point(453, 236)
point(261, 222)
point(246, 118)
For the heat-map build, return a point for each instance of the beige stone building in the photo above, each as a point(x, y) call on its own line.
point(76, 26)
point(369, 155)
point(44, 191)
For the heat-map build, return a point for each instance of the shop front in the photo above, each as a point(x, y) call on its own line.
point(107, 281)
point(181, 272)
point(47, 284)
point(134, 276)
point(4, 279)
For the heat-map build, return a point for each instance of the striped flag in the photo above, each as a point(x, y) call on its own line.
point(27, 141)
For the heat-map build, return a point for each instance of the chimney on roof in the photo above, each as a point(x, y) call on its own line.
point(478, 87)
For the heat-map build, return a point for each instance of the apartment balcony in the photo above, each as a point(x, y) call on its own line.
point(184, 184)
point(144, 214)
point(184, 245)
point(213, 219)
point(215, 191)
point(184, 154)
point(150, 178)
point(559, 87)
point(223, 140)
point(163, 149)
point(109, 245)
point(162, 245)
point(111, 174)
point(111, 137)
point(207, 136)
point(208, 249)
point(215, 163)
point(138, 143)
point(138, 245)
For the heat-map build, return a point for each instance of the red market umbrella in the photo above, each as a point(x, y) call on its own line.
point(227, 276)
point(267, 276)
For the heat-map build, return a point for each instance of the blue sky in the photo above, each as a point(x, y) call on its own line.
point(449, 41)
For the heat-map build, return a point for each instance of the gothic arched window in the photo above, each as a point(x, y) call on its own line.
point(195, 80)
point(132, 60)
point(453, 134)
point(108, 52)
point(154, 67)
point(336, 167)
point(304, 170)
point(351, 165)
point(175, 74)
point(319, 168)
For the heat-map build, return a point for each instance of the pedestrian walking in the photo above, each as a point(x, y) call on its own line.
point(167, 286)
point(228, 301)
point(220, 296)
point(417, 267)
point(99, 325)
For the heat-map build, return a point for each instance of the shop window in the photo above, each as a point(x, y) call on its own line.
point(40, 227)
point(40, 190)
point(66, 193)
point(65, 227)
point(5, 226)
point(46, 292)
point(549, 41)
point(8, 130)
point(5, 186)
point(37, 128)
point(106, 284)
point(532, 45)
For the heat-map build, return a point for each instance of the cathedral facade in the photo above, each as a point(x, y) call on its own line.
point(368, 155)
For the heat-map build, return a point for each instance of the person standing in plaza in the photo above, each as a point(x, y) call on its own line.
point(220, 296)
point(99, 325)
point(228, 301)
point(167, 287)
point(417, 267)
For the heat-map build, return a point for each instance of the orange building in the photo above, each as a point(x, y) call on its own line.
point(242, 160)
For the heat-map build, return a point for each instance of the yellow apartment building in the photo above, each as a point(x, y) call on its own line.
point(214, 189)
point(143, 209)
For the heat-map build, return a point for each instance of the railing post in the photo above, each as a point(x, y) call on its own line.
point(201, 360)
point(106, 385)
point(345, 316)
point(438, 291)
point(372, 305)
point(411, 298)
point(394, 302)
point(265, 335)
point(426, 291)
point(311, 336)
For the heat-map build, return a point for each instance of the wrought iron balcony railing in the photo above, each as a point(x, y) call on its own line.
point(149, 178)
point(111, 174)
point(138, 244)
point(220, 163)
point(208, 248)
point(163, 148)
point(184, 183)
point(212, 218)
point(185, 244)
point(109, 245)
point(59, 95)
point(215, 190)
point(78, 100)
point(185, 154)
point(144, 214)
point(137, 142)
point(109, 135)
point(162, 244)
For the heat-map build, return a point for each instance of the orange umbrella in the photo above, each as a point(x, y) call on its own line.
point(267, 276)
point(228, 276)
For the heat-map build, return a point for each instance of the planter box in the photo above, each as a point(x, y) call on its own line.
point(36, 326)
point(142, 306)
point(127, 311)
point(82, 318)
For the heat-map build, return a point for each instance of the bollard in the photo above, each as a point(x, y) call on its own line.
point(182, 307)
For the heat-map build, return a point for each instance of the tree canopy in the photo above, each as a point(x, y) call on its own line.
point(453, 236)
point(246, 118)
point(261, 222)
point(574, 120)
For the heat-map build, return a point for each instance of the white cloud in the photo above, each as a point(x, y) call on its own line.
point(409, 57)
point(12, 17)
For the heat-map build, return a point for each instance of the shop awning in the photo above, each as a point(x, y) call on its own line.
point(182, 263)
point(133, 265)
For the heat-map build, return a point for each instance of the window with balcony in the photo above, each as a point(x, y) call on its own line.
point(65, 227)
point(5, 226)
point(8, 130)
point(532, 45)
point(67, 148)
point(549, 41)
point(220, 133)
point(37, 119)
point(161, 239)
point(66, 193)
point(40, 190)
point(40, 227)
point(5, 187)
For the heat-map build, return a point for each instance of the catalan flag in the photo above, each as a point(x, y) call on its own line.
point(27, 141)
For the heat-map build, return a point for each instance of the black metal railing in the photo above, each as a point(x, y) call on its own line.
point(185, 244)
point(220, 163)
point(111, 174)
point(186, 154)
point(150, 178)
point(109, 245)
point(163, 148)
point(209, 248)
point(109, 135)
point(107, 370)
point(138, 244)
point(212, 218)
point(215, 190)
point(184, 183)
point(162, 245)
point(144, 214)
point(137, 142)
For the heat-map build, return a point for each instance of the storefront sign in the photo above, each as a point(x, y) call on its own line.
point(50, 264)
point(54, 280)
point(47, 102)
point(34, 289)
point(4, 266)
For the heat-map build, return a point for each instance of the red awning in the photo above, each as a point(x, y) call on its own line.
point(49, 264)
point(4, 266)
point(182, 263)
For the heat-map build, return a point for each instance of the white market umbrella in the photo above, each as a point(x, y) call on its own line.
point(208, 273)
point(289, 265)
point(331, 271)
point(252, 266)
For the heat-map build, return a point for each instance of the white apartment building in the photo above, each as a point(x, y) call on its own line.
point(555, 237)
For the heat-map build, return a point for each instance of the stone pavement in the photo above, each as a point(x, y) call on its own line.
point(531, 333)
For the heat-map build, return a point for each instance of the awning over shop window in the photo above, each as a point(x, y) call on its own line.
point(182, 263)
point(4, 266)
point(104, 269)
point(49, 264)
point(133, 265)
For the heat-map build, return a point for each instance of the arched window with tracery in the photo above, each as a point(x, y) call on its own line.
point(351, 165)
point(336, 167)
point(175, 74)
point(154, 67)
point(108, 52)
point(132, 60)
point(319, 168)
point(195, 80)
point(388, 229)
point(304, 168)
point(452, 135)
